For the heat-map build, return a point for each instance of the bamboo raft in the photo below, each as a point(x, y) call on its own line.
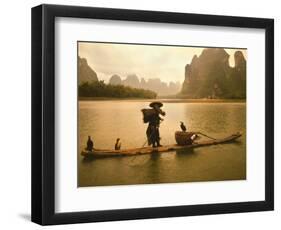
point(100, 153)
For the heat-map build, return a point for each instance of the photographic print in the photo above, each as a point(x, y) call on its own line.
point(133, 103)
point(150, 114)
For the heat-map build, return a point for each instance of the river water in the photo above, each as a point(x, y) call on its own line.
point(107, 120)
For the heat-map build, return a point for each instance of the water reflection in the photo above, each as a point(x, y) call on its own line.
point(107, 120)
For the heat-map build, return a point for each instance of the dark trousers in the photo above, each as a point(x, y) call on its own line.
point(153, 135)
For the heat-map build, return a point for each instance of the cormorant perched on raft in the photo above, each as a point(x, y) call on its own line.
point(183, 128)
point(118, 144)
point(90, 144)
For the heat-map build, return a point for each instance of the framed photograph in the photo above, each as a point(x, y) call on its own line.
point(143, 114)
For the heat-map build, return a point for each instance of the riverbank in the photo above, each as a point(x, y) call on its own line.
point(165, 100)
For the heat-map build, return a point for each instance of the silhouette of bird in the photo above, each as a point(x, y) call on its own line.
point(90, 144)
point(118, 144)
point(183, 128)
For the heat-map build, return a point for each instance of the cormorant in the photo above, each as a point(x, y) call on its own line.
point(90, 144)
point(118, 144)
point(183, 128)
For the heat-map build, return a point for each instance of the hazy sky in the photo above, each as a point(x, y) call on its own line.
point(146, 61)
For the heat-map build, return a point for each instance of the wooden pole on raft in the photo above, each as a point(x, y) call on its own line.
point(206, 136)
point(144, 143)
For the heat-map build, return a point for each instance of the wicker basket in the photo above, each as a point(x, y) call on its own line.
point(183, 138)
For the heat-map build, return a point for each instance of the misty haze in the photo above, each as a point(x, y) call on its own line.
point(165, 70)
point(150, 114)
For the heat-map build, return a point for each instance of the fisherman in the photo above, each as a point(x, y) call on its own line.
point(118, 144)
point(152, 116)
point(90, 144)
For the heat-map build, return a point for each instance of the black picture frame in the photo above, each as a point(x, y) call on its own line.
point(43, 114)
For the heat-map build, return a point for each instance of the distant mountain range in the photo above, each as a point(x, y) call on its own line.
point(154, 84)
point(87, 74)
point(210, 76)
